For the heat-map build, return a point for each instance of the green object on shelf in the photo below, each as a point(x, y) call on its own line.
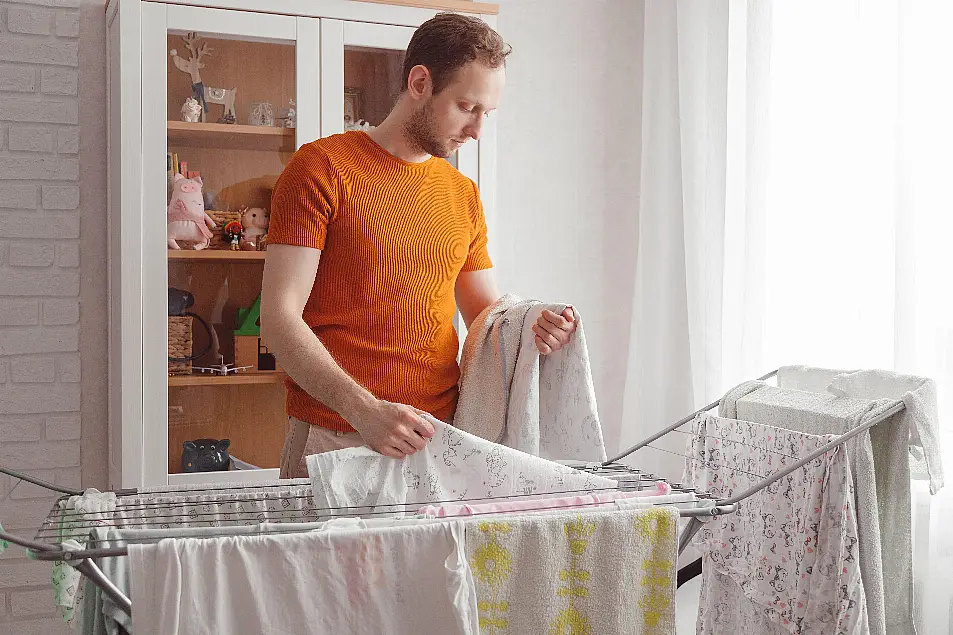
point(247, 322)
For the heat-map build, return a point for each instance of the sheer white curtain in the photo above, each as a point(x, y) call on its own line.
point(697, 292)
point(796, 208)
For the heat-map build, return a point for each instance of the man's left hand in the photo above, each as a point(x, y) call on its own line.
point(553, 331)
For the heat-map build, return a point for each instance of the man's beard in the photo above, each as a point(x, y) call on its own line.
point(420, 132)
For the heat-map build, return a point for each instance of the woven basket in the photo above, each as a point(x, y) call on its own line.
point(221, 219)
point(180, 343)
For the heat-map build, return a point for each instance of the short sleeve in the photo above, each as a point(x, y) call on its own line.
point(478, 256)
point(304, 200)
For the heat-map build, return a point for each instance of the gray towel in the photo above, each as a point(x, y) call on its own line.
point(728, 406)
point(818, 413)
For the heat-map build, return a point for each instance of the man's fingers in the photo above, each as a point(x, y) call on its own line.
point(545, 326)
point(415, 440)
point(424, 428)
point(551, 340)
point(556, 320)
point(392, 452)
point(542, 346)
point(571, 315)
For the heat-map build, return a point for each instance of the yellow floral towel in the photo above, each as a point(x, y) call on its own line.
point(584, 573)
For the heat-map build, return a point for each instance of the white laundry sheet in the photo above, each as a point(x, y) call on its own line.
point(454, 466)
point(403, 580)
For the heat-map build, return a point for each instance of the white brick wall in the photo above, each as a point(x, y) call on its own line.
point(40, 423)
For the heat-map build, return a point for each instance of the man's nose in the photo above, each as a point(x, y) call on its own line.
point(475, 129)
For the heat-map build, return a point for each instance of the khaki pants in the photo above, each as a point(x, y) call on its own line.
point(304, 439)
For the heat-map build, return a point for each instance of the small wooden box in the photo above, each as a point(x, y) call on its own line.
point(250, 351)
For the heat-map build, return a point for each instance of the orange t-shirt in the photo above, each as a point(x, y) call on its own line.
point(393, 237)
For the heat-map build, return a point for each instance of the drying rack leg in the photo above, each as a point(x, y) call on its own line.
point(690, 530)
point(89, 569)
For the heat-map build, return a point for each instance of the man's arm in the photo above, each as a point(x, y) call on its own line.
point(391, 429)
point(475, 291)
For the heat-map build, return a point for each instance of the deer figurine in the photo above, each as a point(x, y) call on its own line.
point(201, 93)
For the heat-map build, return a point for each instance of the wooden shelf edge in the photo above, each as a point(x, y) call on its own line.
point(264, 474)
point(228, 128)
point(238, 379)
point(215, 255)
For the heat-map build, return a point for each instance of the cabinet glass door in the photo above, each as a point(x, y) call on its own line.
point(363, 63)
point(224, 118)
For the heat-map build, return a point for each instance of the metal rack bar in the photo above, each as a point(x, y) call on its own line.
point(41, 483)
point(662, 433)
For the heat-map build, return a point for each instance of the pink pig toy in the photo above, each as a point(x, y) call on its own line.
point(187, 219)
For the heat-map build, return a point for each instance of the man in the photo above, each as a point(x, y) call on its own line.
point(374, 242)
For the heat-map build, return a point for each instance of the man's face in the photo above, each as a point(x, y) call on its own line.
point(447, 120)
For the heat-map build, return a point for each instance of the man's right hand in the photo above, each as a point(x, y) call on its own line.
point(394, 430)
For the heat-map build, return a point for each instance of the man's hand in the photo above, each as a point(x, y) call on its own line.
point(554, 331)
point(394, 430)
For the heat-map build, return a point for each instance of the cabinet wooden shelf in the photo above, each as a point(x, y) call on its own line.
point(216, 255)
point(237, 379)
point(232, 136)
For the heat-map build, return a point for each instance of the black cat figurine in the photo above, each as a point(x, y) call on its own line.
point(205, 455)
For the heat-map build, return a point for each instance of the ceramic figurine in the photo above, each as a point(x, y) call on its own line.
point(191, 110)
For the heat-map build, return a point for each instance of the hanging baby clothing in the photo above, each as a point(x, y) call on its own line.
point(825, 413)
point(786, 561)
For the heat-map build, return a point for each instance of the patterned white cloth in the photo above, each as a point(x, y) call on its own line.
point(454, 466)
point(825, 413)
point(786, 561)
point(78, 514)
point(510, 394)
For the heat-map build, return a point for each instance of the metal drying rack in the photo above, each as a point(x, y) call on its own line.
point(143, 508)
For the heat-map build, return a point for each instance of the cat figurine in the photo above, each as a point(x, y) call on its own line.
point(205, 455)
point(187, 219)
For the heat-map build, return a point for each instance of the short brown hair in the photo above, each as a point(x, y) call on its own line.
point(449, 41)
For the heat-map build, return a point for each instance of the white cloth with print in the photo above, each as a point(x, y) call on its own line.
point(454, 466)
point(786, 561)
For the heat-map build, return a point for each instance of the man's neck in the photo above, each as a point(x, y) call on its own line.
point(390, 136)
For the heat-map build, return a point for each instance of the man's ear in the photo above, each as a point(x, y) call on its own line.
point(419, 82)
